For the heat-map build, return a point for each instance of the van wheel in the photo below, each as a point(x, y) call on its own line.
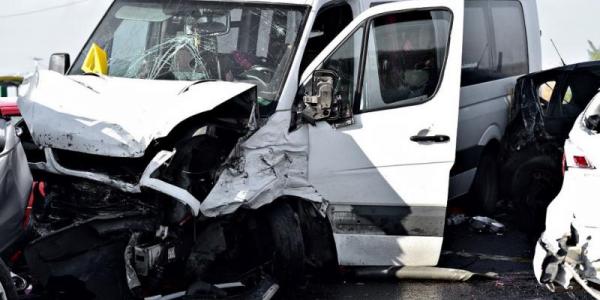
point(288, 245)
point(7, 287)
point(484, 191)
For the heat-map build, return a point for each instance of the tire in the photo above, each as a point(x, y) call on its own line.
point(7, 287)
point(484, 192)
point(536, 184)
point(288, 245)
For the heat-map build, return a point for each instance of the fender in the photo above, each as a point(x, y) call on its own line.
point(493, 132)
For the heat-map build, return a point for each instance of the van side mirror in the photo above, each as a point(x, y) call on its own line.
point(319, 99)
point(321, 102)
point(60, 62)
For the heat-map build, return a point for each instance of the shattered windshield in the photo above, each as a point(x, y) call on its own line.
point(196, 40)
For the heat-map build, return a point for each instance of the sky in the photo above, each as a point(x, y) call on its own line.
point(570, 23)
point(38, 28)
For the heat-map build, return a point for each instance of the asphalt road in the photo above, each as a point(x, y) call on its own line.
point(508, 254)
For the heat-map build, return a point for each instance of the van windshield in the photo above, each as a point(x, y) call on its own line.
point(197, 40)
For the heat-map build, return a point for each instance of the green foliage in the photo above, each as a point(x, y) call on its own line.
point(593, 52)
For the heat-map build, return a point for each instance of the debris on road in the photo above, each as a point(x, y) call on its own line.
point(488, 256)
point(456, 219)
point(486, 225)
point(422, 273)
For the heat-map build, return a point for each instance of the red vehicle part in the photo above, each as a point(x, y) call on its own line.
point(9, 109)
point(38, 190)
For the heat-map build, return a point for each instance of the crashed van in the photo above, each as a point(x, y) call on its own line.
point(193, 143)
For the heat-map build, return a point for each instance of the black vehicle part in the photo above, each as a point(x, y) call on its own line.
point(535, 183)
point(154, 261)
point(534, 119)
point(7, 287)
point(204, 142)
point(211, 244)
point(288, 244)
point(85, 260)
point(593, 123)
point(199, 155)
point(203, 290)
point(484, 190)
point(319, 246)
point(69, 200)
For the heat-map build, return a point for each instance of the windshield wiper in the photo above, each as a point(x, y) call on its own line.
point(185, 89)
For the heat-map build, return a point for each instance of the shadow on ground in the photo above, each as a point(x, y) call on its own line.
point(508, 254)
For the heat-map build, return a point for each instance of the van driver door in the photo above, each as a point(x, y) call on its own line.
point(385, 167)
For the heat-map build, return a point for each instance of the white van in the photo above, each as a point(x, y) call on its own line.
point(350, 106)
point(391, 163)
point(501, 42)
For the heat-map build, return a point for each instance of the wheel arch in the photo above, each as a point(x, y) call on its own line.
point(317, 231)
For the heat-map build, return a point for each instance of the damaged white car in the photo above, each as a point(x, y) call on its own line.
point(183, 152)
point(569, 249)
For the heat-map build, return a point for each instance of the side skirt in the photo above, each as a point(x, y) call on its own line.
point(370, 235)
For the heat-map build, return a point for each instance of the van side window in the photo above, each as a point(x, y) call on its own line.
point(495, 41)
point(510, 38)
point(477, 54)
point(405, 57)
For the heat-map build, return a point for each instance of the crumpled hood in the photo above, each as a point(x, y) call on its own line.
point(111, 116)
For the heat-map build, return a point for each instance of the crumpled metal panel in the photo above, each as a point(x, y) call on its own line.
point(272, 163)
point(528, 120)
point(15, 184)
point(111, 116)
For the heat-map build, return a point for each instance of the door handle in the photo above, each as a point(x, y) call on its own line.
point(438, 138)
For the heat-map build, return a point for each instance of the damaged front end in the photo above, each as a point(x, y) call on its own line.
point(129, 146)
point(149, 212)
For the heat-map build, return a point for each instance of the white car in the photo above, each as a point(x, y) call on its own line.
point(569, 249)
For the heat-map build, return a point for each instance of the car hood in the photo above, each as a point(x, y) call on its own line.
point(111, 116)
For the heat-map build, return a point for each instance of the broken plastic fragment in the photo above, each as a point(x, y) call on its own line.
point(488, 225)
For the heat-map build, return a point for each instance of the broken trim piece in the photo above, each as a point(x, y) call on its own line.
point(158, 185)
point(51, 165)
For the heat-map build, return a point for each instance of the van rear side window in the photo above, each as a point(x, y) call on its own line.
point(510, 38)
point(495, 41)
